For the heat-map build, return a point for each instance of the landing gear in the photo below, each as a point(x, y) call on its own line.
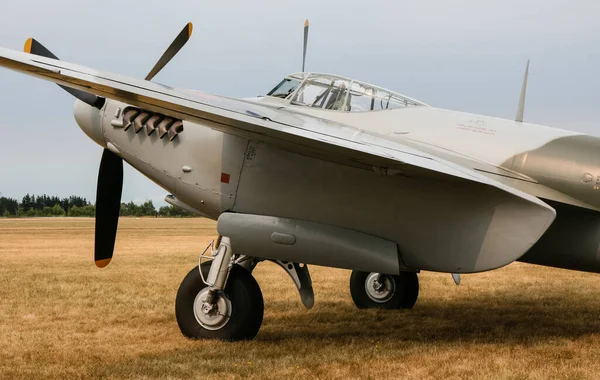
point(236, 315)
point(223, 302)
point(375, 290)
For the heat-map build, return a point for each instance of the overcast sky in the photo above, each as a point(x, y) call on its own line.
point(466, 55)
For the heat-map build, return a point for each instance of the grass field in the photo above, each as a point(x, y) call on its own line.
point(61, 317)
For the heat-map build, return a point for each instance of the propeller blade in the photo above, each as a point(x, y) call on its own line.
point(305, 43)
point(108, 205)
point(32, 46)
point(172, 50)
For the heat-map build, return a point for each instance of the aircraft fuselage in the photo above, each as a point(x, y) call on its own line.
point(214, 172)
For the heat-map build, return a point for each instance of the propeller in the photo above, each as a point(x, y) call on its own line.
point(32, 46)
point(110, 175)
point(108, 205)
point(305, 43)
point(172, 50)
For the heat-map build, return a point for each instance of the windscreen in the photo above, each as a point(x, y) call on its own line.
point(285, 88)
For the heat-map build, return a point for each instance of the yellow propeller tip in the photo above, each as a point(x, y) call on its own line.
point(27, 47)
point(306, 23)
point(102, 263)
point(190, 28)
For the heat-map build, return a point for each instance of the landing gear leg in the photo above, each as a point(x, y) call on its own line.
point(219, 300)
point(376, 290)
point(301, 277)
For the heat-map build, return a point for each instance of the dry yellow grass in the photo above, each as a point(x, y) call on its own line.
point(63, 318)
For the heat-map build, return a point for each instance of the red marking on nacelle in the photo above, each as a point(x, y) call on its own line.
point(225, 177)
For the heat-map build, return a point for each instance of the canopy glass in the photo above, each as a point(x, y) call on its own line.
point(337, 93)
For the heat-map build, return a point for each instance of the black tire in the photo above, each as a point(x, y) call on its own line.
point(410, 283)
point(404, 297)
point(246, 299)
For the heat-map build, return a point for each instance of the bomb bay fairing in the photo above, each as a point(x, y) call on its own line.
point(332, 171)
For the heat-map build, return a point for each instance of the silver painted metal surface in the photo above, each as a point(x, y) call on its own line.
point(562, 163)
point(215, 316)
point(316, 243)
point(280, 238)
point(301, 276)
point(113, 148)
point(220, 266)
point(170, 199)
point(401, 175)
point(380, 288)
point(476, 227)
point(521, 106)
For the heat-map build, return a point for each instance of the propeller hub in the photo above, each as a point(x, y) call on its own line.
point(89, 120)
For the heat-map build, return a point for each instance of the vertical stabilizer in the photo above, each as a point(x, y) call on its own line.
point(521, 108)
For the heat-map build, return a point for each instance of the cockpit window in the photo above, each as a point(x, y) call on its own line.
point(285, 88)
point(365, 98)
point(361, 98)
point(328, 93)
point(332, 92)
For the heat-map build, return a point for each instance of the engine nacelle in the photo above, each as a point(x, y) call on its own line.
point(571, 242)
point(570, 165)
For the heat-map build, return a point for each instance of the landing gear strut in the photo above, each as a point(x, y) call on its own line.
point(376, 290)
point(219, 300)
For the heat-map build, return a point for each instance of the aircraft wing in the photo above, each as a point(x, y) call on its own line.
point(306, 134)
point(320, 137)
point(499, 174)
point(303, 134)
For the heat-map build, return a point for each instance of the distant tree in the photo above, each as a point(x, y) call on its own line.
point(147, 209)
point(27, 203)
point(124, 211)
point(72, 201)
point(164, 211)
point(55, 210)
point(8, 205)
point(88, 210)
point(50, 205)
point(64, 204)
point(131, 209)
point(74, 211)
point(172, 211)
point(134, 210)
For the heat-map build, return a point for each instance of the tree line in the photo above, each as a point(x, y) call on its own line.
point(45, 205)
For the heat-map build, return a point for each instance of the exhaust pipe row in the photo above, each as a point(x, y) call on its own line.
point(150, 121)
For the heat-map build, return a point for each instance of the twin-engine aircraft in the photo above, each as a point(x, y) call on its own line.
point(332, 171)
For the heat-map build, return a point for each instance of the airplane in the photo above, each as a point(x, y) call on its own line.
point(331, 171)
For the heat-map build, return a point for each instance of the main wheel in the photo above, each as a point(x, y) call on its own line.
point(374, 290)
point(236, 315)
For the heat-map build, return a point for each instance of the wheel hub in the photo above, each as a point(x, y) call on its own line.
point(212, 316)
point(380, 288)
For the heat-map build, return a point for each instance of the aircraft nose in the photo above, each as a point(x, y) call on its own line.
point(89, 120)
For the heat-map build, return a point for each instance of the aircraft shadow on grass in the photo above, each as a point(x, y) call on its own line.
point(500, 319)
point(507, 320)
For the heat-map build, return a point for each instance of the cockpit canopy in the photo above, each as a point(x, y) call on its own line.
point(337, 93)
